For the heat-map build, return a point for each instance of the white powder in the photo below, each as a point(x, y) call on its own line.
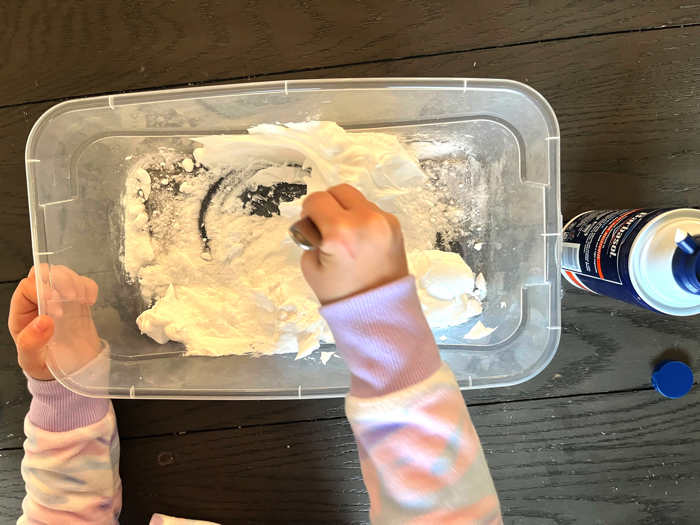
point(445, 287)
point(188, 165)
point(232, 284)
point(144, 180)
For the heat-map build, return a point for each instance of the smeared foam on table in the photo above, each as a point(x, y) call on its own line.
point(241, 289)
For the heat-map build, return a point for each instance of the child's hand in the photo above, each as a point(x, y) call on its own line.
point(362, 246)
point(31, 331)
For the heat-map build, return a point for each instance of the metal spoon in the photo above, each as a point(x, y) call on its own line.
point(306, 234)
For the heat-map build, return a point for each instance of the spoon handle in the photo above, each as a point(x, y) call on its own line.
point(306, 234)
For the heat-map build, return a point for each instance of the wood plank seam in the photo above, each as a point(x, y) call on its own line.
point(339, 418)
point(354, 64)
point(590, 357)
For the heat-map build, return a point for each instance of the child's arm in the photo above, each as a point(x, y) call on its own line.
point(71, 460)
point(421, 458)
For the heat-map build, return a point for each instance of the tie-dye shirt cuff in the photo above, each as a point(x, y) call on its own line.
point(384, 338)
point(57, 409)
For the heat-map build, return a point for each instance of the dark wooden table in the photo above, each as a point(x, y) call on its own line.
point(588, 440)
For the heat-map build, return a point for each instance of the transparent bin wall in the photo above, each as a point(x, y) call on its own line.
point(77, 166)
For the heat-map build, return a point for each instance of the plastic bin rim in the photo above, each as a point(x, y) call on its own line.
point(285, 86)
point(300, 85)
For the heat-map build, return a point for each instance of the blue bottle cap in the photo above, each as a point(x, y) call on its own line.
point(672, 379)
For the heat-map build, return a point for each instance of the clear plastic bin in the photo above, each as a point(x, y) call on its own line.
point(76, 170)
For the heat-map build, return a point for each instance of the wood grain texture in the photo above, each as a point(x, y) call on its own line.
point(139, 418)
point(595, 354)
point(610, 459)
point(606, 346)
point(626, 106)
point(54, 49)
point(11, 486)
point(14, 396)
point(15, 236)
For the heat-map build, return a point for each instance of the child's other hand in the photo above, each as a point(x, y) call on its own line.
point(31, 331)
point(362, 246)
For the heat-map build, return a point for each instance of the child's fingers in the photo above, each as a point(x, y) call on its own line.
point(91, 290)
point(35, 335)
point(28, 291)
point(310, 260)
point(44, 280)
point(324, 210)
point(348, 197)
point(67, 283)
point(53, 308)
point(70, 285)
point(23, 307)
point(31, 343)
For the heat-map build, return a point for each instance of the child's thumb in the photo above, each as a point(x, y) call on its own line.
point(30, 345)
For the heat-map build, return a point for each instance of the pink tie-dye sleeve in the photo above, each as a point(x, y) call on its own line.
point(420, 455)
point(71, 459)
point(421, 458)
